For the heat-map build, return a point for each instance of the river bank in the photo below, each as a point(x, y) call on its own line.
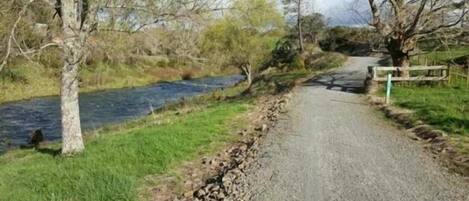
point(98, 109)
point(122, 161)
point(31, 80)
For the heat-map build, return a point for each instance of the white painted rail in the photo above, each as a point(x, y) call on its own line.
point(427, 73)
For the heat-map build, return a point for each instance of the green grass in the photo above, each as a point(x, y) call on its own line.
point(277, 82)
point(115, 163)
point(445, 107)
point(122, 162)
point(441, 56)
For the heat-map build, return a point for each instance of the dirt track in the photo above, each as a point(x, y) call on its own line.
point(333, 146)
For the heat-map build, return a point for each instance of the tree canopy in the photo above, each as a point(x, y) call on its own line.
point(246, 35)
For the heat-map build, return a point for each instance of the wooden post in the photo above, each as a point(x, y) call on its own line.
point(467, 78)
point(449, 75)
point(388, 88)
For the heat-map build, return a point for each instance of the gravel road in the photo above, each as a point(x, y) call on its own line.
point(332, 146)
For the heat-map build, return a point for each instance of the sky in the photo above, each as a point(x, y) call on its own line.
point(343, 12)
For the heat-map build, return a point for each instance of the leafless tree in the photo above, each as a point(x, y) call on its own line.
point(76, 27)
point(13, 44)
point(80, 18)
point(403, 22)
point(296, 6)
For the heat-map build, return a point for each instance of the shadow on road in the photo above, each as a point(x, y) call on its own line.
point(350, 82)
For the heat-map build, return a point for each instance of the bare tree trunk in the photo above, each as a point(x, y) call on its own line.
point(300, 28)
point(247, 71)
point(399, 50)
point(401, 60)
point(73, 47)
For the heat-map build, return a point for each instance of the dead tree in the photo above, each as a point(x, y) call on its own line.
point(403, 22)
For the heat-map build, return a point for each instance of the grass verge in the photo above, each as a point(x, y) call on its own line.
point(119, 158)
point(116, 162)
point(447, 108)
point(441, 57)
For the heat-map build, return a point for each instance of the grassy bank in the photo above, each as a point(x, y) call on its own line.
point(116, 161)
point(444, 106)
point(28, 80)
point(447, 108)
point(119, 159)
point(441, 57)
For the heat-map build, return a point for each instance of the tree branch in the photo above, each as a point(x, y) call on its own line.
point(376, 17)
point(442, 26)
point(11, 38)
point(417, 17)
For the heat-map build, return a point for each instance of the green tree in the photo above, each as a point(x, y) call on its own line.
point(246, 36)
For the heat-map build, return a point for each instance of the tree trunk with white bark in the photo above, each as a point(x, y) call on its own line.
point(247, 71)
point(73, 51)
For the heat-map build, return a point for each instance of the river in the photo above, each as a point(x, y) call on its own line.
point(97, 109)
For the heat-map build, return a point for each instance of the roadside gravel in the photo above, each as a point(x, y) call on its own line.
point(332, 146)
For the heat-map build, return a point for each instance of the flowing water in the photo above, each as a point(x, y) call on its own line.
point(19, 119)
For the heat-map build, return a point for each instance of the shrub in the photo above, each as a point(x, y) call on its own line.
point(297, 63)
point(325, 60)
point(52, 58)
point(187, 75)
point(13, 75)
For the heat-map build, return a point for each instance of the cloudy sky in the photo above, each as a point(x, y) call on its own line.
point(343, 12)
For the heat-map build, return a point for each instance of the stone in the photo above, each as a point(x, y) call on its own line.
point(200, 193)
point(36, 138)
point(264, 127)
point(188, 194)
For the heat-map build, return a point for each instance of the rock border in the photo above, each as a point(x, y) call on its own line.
point(436, 141)
point(229, 183)
point(222, 177)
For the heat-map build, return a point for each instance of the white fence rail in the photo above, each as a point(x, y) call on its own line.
point(417, 73)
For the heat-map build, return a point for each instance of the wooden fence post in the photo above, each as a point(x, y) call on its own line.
point(467, 78)
point(448, 71)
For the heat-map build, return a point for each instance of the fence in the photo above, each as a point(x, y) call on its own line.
point(417, 73)
point(459, 76)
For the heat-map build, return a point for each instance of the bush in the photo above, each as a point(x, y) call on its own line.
point(187, 75)
point(325, 60)
point(13, 75)
point(284, 53)
point(51, 58)
point(297, 63)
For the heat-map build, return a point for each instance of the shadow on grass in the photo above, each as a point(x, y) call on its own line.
point(47, 151)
